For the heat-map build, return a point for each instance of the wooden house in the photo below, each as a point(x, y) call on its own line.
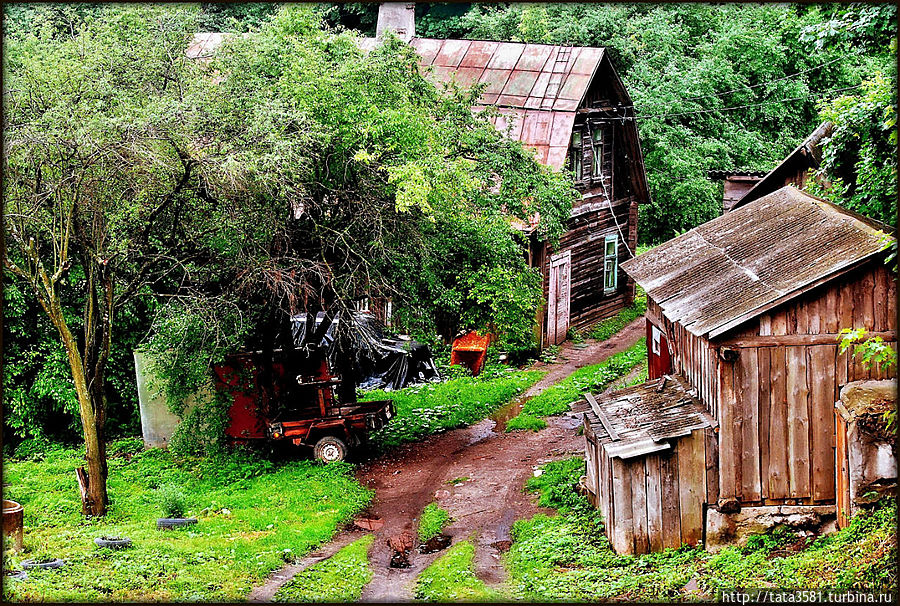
point(736, 184)
point(570, 106)
point(746, 310)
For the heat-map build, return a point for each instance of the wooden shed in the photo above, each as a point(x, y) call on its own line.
point(747, 308)
point(647, 451)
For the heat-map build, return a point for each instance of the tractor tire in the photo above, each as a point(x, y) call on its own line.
point(330, 449)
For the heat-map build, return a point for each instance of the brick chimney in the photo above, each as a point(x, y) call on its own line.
point(398, 17)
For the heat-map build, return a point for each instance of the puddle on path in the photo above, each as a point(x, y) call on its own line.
point(503, 414)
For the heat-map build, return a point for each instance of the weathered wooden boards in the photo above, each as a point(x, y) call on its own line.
point(656, 501)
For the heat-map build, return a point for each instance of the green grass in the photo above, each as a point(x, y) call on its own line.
point(340, 578)
point(253, 516)
point(451, 578)
point(594, 378)
point(610, 326)
point(426, 409)
point(432, 521)
point(567, 557)
point(525, 422)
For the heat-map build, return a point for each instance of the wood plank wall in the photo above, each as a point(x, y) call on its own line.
point(693, 357)
point(585, 240)
point(777, 440)
point(655, 501)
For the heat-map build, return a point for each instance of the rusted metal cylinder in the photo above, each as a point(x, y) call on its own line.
point(14, 523)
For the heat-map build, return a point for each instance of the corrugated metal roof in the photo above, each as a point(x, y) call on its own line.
point(647, 416)
point(731, 269)
point(537, 87)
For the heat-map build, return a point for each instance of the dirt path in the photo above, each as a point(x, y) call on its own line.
point(484, 506)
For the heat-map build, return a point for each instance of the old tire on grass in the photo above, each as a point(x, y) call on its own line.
point(112, 543)
point(330, 449)
point(170, 523)
point(54, 563)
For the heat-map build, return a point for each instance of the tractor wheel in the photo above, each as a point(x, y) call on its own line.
point(330, 449)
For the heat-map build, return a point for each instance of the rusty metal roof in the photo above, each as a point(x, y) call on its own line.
point(537, 87)
point(807, 155)
point(735, 267)
point(647, 416)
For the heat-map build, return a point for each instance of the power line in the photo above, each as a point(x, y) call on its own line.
point(788, 77)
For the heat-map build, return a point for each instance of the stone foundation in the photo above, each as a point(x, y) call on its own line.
point(724, 529)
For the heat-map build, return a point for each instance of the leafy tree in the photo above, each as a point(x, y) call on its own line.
point(105, 185)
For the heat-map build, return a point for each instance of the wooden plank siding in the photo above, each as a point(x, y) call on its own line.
point(656, 501)
point(776, 438)
point(584, 239)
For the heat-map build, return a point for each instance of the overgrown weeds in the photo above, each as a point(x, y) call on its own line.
point(432, 521)
point(451, 578)
point(340, 578)
point(567, 557)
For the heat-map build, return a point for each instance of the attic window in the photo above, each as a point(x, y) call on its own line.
point(597, 149)
point(575, 155)
point(611, 264)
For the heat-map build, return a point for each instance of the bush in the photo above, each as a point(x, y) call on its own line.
point(171, 500)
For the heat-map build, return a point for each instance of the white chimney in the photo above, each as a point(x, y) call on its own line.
point(398, 17)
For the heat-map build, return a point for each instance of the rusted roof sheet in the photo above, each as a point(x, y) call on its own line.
point(733, 268)
point(537, 87)
point(646, 417)
point(807, 155)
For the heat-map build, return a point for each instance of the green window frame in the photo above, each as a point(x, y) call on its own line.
point(610, 263)
point(576, 154)
point(597, 150)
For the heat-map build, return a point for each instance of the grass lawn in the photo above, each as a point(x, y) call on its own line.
point(426, 409)
point(253, 516)
point(567, 557)
point(340, 578)
point(451, 578)
point(594, 378)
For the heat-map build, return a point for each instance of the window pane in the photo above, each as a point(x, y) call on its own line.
point(576, 139)
point(611, 244)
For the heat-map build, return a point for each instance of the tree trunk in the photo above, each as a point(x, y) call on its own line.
point(92, 479)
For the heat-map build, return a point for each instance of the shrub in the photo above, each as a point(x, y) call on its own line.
point(172, 501)
point(432, 521)
point(522, 422)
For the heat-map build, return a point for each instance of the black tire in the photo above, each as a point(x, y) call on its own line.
point(112, 543)
point(15, 575)
point(56, 563)
point(330, 449)
point(169, 523)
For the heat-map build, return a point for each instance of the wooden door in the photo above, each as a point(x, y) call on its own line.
point(558, 299)
point(659, 362)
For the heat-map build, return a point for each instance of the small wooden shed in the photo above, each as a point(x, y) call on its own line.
point(649, 451)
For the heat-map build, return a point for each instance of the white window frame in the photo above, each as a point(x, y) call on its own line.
point(576, 149)
point(596, 150)
point(610, 264)
point(655, 340)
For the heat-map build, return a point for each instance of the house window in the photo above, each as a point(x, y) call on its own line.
point(597, 149)
point(656, 338)
point(611, 264)
point(575, 153)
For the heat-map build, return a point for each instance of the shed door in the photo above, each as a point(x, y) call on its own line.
point(659, 362)
point(558, 300)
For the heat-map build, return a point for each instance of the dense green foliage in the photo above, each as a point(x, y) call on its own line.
point(567, 557)
point(451, 578)
point(340, 578)
point(432, 521)
point(433, 407)
point(253, 516)
point(593, 378)
point(293, 171)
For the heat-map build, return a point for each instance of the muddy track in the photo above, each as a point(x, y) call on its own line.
point(496, 466)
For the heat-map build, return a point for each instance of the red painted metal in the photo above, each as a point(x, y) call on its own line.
point(470, 350)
